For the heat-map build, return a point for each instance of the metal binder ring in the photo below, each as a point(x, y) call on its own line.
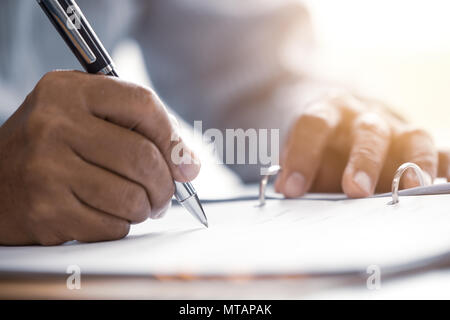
point(398, 175)
point(263, 184)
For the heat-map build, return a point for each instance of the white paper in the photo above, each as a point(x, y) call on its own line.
point(284, 237)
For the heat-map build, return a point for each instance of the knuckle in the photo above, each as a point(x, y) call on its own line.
point(367, 157)
point(48, 84)
point(147, 158)
point(36, 124)
point(425, 159)
point(43, 177)
point(165, 194)
point(150, 105)
point(136, 204)
point(314, 121)
point(52, 128)
point(41, 213)
point(44, 126)
point(160, 212)
point(374, 124)
point(419, 147)
point(49, 240)
point(55, 123)
point(146, 96)
point(34, 173)
point(119, 230)
point(40, 219)
point(49, 78)
point(419, 132)
point(411, 133)
point(32, 166)
point(55, 86)
point(170, 191)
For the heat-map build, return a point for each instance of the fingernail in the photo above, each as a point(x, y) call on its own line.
point(295, 185)
point(363, 181)
point(190, 167)
point(162, 212)
point(412, 181)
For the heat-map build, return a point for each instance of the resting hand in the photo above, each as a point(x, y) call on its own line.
point(345, 144)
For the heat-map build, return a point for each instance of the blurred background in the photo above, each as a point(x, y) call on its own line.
point(396, 50)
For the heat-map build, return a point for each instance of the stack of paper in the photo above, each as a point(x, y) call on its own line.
point(284, 237)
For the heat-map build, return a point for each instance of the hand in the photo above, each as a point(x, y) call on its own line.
point(344, 144)
point(71, 168)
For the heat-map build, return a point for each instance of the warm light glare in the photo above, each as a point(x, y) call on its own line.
point(413, 25)
point(396, 50)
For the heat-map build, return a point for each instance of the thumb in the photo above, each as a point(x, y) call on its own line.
point(183, 162)
point(163, 129)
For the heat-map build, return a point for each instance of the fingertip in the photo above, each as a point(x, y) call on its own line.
point(294, 186)
point(185, 165)
point(410, 180)
point(161, 213)
point(189, 171)
point(358, 185)
point(189, 168)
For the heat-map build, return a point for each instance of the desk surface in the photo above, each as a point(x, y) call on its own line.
point(427, 285)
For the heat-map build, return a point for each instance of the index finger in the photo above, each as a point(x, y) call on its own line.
point(139, 108)
point(305, 148)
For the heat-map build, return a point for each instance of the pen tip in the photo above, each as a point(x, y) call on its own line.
point(194, 206)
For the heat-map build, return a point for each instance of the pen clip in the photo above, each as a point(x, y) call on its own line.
point(70, 29)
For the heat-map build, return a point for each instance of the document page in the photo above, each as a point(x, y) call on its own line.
point(284, 237)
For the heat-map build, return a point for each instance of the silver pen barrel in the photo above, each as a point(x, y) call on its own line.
point(187, 197)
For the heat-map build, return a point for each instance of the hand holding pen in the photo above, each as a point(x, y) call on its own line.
point(90, 52)
point(79, 172)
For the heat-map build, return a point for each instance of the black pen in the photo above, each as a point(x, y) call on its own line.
point(78, 34)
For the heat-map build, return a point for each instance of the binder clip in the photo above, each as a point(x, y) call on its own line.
point(271, 171)
point(398, 175)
